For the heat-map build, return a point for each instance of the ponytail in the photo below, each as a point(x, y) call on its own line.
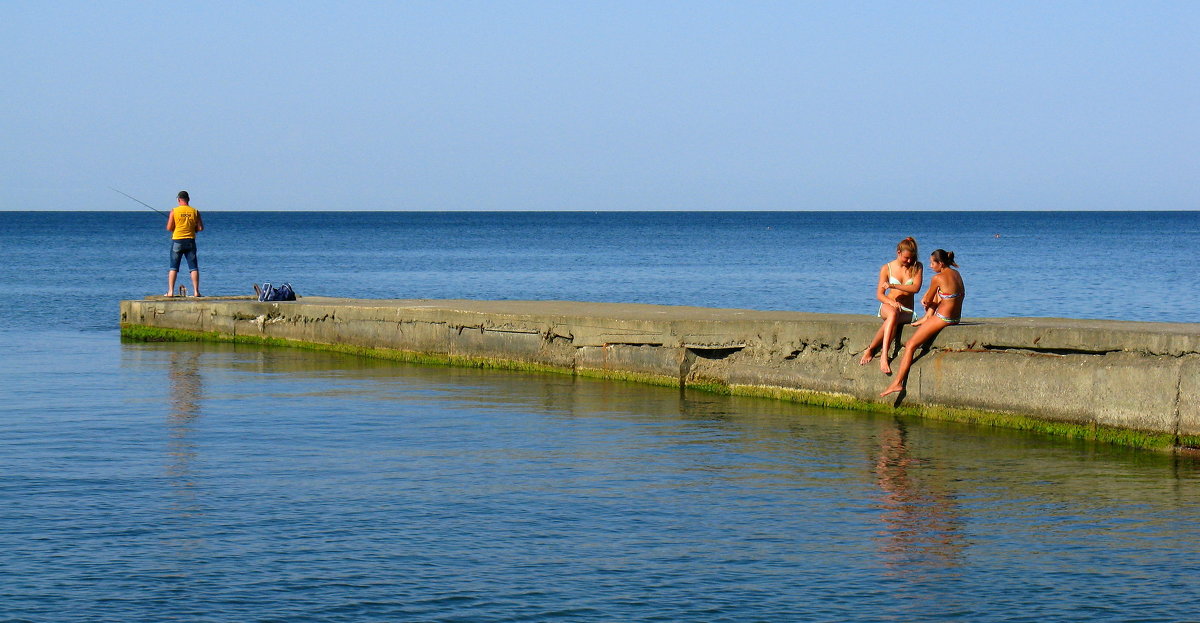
point(944, 257)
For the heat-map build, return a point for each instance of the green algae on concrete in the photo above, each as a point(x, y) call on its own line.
point(1094, 432)
point(141, 333)
point(643, 378)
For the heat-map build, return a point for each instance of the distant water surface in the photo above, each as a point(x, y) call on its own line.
point(1118, 265)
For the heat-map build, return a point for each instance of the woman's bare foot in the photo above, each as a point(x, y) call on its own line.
point(868, 355)
point(169, 294)
point(892, 389)
point(917, 323)
point(883, 366)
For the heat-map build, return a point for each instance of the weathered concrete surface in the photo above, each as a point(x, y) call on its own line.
point(1125, 375)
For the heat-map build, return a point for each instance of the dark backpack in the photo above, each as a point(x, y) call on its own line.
point(270, 293)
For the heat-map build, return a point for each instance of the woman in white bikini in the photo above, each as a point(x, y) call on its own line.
point(899, 282)
point(943, 307)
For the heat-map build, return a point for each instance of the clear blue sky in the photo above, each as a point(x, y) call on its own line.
point(563, 105)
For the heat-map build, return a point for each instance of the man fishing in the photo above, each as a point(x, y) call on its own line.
point(184, 223)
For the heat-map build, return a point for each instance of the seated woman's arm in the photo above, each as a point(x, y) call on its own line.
point(881, 288)
point(915, 287)
point(931, 298)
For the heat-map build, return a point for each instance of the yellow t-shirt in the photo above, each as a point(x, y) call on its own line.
point(185, 222)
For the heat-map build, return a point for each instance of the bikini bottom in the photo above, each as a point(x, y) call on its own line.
point(945, 319)
point(879, 314)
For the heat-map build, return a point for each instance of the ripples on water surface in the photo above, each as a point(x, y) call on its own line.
point(206, 482)
point(185, 482)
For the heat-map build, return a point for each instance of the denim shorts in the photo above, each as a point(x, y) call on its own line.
point(184, 248)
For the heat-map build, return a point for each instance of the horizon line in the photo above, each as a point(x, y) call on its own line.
point(569, 211)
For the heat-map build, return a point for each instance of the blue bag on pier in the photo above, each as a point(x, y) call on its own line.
point(270, 293)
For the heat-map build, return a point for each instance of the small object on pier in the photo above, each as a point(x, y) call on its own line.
point(270, 293)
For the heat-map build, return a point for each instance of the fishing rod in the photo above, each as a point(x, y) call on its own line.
point(138, 200)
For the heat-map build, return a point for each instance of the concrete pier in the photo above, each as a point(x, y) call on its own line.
point(1126, 382)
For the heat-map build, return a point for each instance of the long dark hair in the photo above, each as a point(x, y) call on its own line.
point(943, 256)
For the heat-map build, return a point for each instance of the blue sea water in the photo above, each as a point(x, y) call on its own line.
point(203, 482)
point(1119, 265)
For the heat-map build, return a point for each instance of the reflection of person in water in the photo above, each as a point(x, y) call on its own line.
point(185, 388)
point(921, 522)
point(185, 391)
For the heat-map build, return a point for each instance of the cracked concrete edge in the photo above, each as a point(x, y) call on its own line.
point(810, 354)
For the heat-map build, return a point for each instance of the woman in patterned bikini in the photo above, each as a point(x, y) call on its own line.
point(899, 282)
point(943, 304)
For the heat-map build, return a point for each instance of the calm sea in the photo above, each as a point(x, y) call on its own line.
point(200, 482)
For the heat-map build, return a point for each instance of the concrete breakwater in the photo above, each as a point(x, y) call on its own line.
point(1127, 382)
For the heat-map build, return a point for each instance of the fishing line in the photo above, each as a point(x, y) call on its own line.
point(138, 200)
